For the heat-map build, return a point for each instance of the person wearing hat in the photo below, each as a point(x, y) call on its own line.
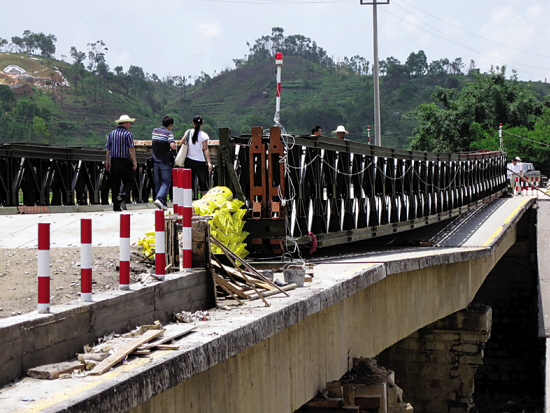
point(517, 171)
point(121, 161)
point(341, 132)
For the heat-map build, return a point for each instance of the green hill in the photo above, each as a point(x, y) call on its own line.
point(64, 104)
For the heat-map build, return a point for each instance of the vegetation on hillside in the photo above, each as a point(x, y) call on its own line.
point(440, 105)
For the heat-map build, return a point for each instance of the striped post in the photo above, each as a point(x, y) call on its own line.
point(517, 185)
point(43, 268)
point(124, 252)
point(175, 190)
point(160, 256)
point(187, 213)
point(86, 259)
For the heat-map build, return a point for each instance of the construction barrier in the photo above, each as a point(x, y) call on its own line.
point(43, 268)
point(86, 259)
point(187, 214)
point(124, 252)
point(176, 191)
point(160, 255)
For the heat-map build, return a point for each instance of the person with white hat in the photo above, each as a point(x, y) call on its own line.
point(341, 132)
point(121, 161)
point(517, 171)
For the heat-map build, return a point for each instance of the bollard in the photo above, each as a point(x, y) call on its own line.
point(43, 268)
point(124, 252)
point(160, 256)
point(187, 213)
point(86, 259)
point(175, 190)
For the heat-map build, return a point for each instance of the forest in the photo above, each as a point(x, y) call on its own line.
point(444, 105)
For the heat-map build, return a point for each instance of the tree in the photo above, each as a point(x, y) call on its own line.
point(78, 68)
point(96, 54)
point(455, 119)
point(417, 64)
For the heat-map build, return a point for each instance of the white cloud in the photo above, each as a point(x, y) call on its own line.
point(209, 30)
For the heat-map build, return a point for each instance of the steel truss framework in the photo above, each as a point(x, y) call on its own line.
point(63, 176)
point(340, 191)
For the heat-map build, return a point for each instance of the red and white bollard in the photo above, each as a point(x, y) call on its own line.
point(517, 185)
point(124, 252)
point(160, 256)
point(43, 268)
point(187, 214)
point(175, 190)
point(86, 259)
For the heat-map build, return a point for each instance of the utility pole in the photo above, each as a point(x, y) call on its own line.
point(377, 127)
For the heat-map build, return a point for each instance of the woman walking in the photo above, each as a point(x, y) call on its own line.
point(198, 154)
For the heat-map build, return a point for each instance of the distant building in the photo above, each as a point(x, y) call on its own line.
point(14, 69)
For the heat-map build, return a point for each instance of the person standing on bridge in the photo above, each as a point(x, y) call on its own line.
point(198, 154)
point(341, 132)
point(316, 131)
point(121, 161)
point(517, 172)
point(162, 142)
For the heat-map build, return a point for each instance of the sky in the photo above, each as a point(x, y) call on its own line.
point(187, 37)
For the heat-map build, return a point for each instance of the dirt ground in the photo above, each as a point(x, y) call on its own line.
point(18, 276)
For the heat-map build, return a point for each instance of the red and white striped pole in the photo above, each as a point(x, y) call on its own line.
point(124, 252)
point(175, 190)
point(517, 185)
point(160, 256)
point(187, 214)
point(279, 64)
point(368, 135)
point(86, 259)
point(43, 268)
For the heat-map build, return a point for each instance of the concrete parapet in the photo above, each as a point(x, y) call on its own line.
point(36, 339)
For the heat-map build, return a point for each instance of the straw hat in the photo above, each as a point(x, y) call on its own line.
point(125, 118)
point(517, 158)
point(340, 128)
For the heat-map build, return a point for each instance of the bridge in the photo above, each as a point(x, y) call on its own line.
point(276, 358)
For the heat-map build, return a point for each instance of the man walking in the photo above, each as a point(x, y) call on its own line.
point(121, 161)
point(162, 142)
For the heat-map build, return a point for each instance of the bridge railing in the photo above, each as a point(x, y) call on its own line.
point(305, 189)
point(44, 175)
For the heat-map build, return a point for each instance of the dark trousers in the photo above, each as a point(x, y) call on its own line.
point(199, 170)
point(122, 171)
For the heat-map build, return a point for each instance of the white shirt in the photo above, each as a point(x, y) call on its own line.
point(517, 168)
point(195, 150)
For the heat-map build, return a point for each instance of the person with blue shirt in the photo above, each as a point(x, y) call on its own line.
point(121, 161)
point(162, 142)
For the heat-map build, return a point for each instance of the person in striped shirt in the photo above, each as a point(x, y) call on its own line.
point(162, 142)
point(121, 161)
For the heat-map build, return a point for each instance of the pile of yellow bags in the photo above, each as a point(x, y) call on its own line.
point(147, 245)
point(227, 219)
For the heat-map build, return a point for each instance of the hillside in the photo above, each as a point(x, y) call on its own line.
point(64, 104)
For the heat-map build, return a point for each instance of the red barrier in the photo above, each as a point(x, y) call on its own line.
point(187, 214)
point(124, 252)
point(43, 268)
point(175, 190)
point(86, 259)
point(160, 256)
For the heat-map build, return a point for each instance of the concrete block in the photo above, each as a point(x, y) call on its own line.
point(334, 389)
point(65, 208)
point(9, 210)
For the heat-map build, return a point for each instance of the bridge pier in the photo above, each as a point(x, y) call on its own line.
point(436, 365)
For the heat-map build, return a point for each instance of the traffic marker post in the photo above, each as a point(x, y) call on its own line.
point(86, 259)
point(124, 252)
point(160, 255)
point(175, 190)
point(187, 214)
point(43, 268)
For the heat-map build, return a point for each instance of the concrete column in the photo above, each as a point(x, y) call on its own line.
point(436, 366)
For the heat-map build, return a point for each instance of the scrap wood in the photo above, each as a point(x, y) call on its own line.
point(124, 351)
point(92, 356)
point(168, 347)
point(273, 292)
point(222, 282)
point(227, 290)
point(167, 338)
point(228, 253)
point(231, 254)
point(53, 371)
point(235, 273)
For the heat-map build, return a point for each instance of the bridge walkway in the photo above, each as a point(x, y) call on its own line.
point(246, 358)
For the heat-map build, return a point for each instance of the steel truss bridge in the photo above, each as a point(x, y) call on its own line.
point(298, 190)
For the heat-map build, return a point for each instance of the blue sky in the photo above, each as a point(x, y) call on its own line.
point(187, 37)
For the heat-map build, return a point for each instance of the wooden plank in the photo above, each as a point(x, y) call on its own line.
point(326, 403)
point(230, 286)
point(124, 351)
point(167, 337)
point(237, 274)
point(368, 402)
point(53, 371)
point(168, 347)
point(273, 292)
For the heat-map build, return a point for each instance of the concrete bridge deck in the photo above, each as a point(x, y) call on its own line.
point(273, 359)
